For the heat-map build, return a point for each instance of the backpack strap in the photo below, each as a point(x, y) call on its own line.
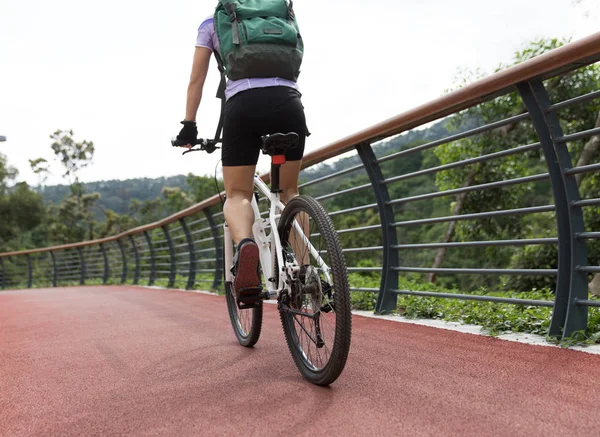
point(231, 11)
point(230, 8)
point(220, 94)
point(223, 83)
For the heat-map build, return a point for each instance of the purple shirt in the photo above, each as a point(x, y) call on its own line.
point(207, 37)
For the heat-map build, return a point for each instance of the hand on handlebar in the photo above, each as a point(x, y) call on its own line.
point(187, 134)
point(187, 138)
point(207, 146)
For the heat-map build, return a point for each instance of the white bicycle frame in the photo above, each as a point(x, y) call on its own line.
point(266, 242)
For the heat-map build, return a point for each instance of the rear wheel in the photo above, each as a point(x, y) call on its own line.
point(315, 312)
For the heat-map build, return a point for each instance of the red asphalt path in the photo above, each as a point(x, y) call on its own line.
point(135, 361)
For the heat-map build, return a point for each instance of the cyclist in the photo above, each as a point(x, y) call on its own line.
point(255, 106)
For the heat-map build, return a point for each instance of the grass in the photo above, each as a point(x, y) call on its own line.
point(494, 318)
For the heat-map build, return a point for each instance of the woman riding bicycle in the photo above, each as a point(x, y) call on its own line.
point(255, 106)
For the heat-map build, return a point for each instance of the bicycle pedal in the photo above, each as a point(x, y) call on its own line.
point(250, 290)
point(248, 297)
point(247, 305)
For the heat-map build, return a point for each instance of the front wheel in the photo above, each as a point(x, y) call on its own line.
point(315, 311)
point(246, 323)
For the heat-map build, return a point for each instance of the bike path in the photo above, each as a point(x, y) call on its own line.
point(137, 361)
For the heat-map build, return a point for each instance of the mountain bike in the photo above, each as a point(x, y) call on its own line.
point(302, 266)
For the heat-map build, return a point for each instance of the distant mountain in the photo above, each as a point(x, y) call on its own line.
point(118, 194)
point(115, 194)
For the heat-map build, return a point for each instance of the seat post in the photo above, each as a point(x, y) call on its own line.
point(275, 145)
point(276, 162)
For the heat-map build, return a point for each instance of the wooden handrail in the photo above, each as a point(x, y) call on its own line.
point(574, 55)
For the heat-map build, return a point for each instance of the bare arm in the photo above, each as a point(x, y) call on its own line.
point(197, 79)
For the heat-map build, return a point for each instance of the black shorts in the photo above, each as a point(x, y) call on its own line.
point(256, 112)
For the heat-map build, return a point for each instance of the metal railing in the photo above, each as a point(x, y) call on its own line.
point(185, 250)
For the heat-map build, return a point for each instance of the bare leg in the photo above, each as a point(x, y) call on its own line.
point(288, 180)
point(239, 216)
point(289, 185)
point(239, 188)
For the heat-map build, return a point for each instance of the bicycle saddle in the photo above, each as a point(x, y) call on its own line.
point(277, 144)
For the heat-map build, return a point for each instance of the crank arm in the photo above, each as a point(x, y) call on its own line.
point(286, 309)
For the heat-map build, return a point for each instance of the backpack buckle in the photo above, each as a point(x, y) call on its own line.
point(230, 8)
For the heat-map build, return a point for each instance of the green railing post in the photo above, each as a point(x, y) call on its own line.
point(567, 316)
point(386, 300)
point(123, 261)
point(3, 282)
point(192, 255)
point(81, 266)
point(173, 271)
point(54, 272)
point(136, 255)
point(29, 271)
point(106, 267)
point(218, 249)
point(152, 259)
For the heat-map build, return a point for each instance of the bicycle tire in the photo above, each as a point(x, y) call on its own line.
point(246, 323)
point(338, 294)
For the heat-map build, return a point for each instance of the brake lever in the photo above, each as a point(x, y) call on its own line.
point(191, 149)
point(208, 146)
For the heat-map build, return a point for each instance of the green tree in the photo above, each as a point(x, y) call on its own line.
point(175, 199)
point(73, 219)
point(574, 118)
point(40, 167)
point(7, 175)
point(116, 223)
point(72, 155)
point(172, 200)
point(203, 187)
point(21, 210)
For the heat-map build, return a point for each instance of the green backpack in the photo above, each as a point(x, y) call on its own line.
point(258, 38)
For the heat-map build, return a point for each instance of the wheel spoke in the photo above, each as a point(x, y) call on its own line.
point(303, 328)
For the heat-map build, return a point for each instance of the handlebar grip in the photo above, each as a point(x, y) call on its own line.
point(179, 143)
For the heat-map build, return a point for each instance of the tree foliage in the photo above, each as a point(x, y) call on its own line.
point(573, 119)
point(21, 209)
point(72, 155)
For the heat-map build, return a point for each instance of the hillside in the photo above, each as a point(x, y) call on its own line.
point(117, 195)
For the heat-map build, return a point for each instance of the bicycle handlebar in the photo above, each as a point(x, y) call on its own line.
point(206, 145)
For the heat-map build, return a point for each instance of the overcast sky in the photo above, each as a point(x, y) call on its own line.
point(116, 71)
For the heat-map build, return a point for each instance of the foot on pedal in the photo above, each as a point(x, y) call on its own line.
point(249, 297)
point(247, 285)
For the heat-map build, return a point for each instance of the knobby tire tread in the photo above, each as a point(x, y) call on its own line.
point(337, 264)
